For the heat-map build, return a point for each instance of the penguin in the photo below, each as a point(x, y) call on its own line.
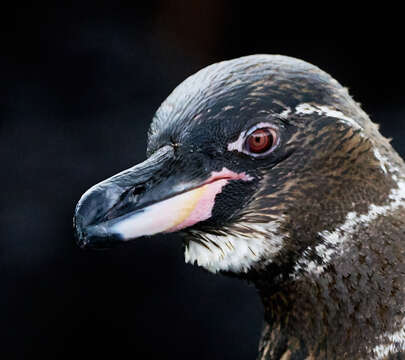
point(272, 173)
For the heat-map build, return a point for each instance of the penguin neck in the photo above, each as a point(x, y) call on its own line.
point(348, 303)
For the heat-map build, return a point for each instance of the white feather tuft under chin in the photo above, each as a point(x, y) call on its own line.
point(237, 250)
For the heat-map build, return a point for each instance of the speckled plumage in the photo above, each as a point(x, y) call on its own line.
point(321, 224)
point(345, 312)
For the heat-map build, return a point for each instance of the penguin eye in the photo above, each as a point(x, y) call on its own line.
point(261, 141)
point(258, 141)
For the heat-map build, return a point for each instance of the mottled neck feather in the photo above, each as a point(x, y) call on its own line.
point(351, 308)
point(337, 290)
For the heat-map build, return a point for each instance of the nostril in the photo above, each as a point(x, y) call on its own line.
point(137, 190)
point(126, 202)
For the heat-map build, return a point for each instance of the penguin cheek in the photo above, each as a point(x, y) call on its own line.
point(217, 199)
point(228, 204)
point(200, 207)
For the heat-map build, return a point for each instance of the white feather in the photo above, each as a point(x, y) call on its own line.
point(307, 109)
point(237, 252)
point(390, 343)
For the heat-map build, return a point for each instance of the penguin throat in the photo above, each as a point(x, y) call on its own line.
point(236, 249)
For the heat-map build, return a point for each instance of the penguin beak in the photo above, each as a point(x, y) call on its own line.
point(150, 198)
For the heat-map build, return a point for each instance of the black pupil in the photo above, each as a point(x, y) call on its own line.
point(260, 141)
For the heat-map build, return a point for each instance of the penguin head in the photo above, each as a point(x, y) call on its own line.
point(250, 160)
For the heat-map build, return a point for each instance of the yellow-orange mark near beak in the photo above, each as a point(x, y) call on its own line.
point(188, 202)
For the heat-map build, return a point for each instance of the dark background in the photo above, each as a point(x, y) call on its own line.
point(78, 87)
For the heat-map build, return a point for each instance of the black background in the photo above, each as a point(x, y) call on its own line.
point(79, 85)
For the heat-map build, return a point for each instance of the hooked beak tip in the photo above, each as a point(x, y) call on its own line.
point(93, 237)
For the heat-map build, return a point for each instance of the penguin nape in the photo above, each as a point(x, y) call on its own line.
point(274, 174)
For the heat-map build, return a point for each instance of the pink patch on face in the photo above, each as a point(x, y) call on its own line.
point(210, 188)
point(227, 174)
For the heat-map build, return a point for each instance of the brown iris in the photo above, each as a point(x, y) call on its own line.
point(260, 140)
